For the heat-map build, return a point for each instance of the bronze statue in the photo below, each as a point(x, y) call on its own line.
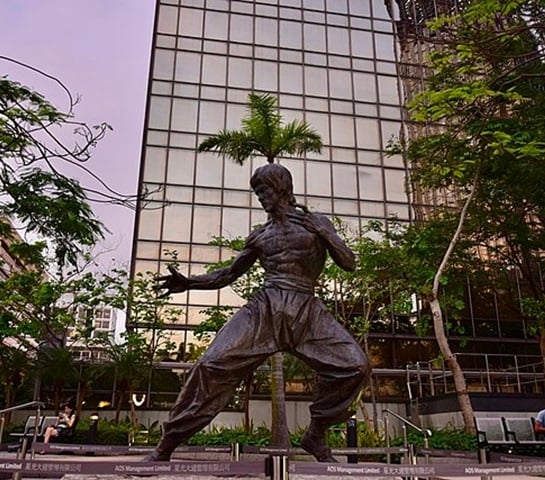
point(283, 316)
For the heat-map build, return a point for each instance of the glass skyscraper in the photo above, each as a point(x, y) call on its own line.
point(344, 66)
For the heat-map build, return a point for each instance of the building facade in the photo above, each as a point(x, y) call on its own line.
point(344, 66)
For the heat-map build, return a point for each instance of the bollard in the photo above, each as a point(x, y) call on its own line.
point(235, 452)
point(276, 467)
point(352, 438)
point(92, 433)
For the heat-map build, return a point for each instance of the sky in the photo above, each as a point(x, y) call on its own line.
point(100, 50)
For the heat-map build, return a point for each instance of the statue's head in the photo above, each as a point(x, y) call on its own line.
point(276, 176)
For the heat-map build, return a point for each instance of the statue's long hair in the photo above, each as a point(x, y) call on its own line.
point(279, 178)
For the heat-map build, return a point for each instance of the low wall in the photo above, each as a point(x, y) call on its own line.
point(260, 414)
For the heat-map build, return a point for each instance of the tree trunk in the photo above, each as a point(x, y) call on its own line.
point(459, 381)
point(121, 396)
point(246, 404)
point(439, 325)
point(279, 423)
point(371, 384)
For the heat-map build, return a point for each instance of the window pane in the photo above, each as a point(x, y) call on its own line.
point(211, 117)
point(265, 32)
point(318, 178)
point(181, 164)
point(344, 181)
point(207, 224)
point(385, 46)
point(388, 90)
point(364, 87)
point(159, 113)
point(390, 130)
point(155, 164)
point(337, 39)
point(208, 170)
point(187, 67)
point(316, 81)
point(215, 25)
point(236, 222)
point(370, 183)
point(314, 37)
point(320, 123)
point(338, 6)
point(179, 194)
point(342, 130)
point(150, 224)
point(213, 69)
point(237, 176)
point(291, 78)
point(241, 28)
point(367, 133)
point(340, 84)
point(190, 22)
point(362, 44)
point(168, 17)
point(163, 66)
point(184, 115)
point(290, 34)
point(177, 222)
point(395, 185)
point(266, 76)
point(240, 73)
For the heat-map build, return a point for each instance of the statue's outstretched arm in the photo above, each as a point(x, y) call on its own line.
point(177, 283)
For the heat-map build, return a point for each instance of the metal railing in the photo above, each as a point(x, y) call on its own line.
point(484, 372)
point(411, 453)
point(22, 451)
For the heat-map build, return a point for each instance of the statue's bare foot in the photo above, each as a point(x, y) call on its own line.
point(156, 456)
point(163, 450)
point(314, 443)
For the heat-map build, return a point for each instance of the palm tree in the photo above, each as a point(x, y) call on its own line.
point(264, 133)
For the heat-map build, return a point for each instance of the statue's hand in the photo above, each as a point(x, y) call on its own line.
point(308, 220)
point(173, 283)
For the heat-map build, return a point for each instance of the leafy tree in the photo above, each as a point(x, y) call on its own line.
point(33, 190)
point(133, 358)
point(263, 133)
point(483, 106)
point(40, 319)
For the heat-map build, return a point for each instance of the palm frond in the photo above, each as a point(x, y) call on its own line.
point(298, 138)
point(232, 143)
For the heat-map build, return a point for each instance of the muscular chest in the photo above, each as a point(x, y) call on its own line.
point(283, 239)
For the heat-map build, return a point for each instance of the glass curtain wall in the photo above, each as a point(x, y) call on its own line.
point(330, 62)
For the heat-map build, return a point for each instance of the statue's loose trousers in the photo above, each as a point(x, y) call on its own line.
point(274, 320)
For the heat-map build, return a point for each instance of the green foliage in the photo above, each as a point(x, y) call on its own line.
point(46, 202)
point(264, 133)
point(447, 438)
point(259, 436)
point(108, 432)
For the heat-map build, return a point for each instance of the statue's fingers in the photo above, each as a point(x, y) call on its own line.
point(162, 278)
point(172, 269)
point(161, 286)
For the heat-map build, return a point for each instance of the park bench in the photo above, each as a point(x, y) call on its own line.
point(31, 426)
point(491, 431)
point(521, 430)
point(512, 435)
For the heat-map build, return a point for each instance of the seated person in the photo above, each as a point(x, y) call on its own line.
point(539, 425)
point(64, 424)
